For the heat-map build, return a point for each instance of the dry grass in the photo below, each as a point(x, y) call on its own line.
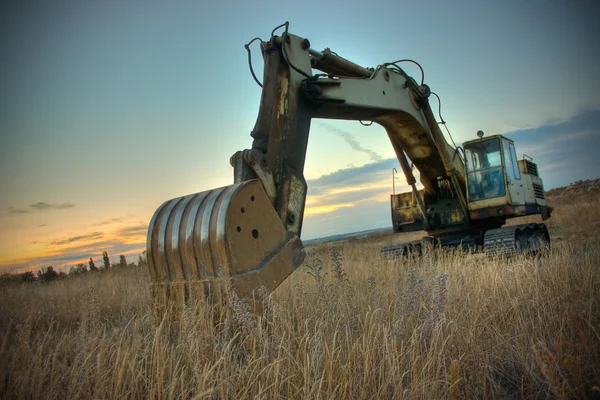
point(441, 325)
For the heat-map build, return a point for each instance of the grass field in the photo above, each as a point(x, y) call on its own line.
point(345, 325)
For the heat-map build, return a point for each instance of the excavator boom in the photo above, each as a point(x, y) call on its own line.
point(247, 235)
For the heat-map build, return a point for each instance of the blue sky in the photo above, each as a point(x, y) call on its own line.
point(113, 107)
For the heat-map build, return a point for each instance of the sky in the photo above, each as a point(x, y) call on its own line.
point(109, 108)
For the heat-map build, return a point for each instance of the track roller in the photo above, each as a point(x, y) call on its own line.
point(517, 239)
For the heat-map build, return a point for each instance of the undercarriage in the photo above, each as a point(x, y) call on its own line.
point(528, 239)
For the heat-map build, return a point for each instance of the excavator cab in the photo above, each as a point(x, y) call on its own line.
point(485, 169)
point(500, 185)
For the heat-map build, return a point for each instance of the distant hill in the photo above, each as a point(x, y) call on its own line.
point(575, 189)
point(347, 236)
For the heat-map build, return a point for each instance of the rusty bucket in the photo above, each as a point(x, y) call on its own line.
point(230, 237)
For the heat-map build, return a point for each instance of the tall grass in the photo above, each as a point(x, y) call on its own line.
point(345, 325)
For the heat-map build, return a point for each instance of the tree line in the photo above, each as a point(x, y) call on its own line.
point(49, 274)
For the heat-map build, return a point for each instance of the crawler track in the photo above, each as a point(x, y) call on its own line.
point(506, 241)
point(401, 250)
point(517, 239)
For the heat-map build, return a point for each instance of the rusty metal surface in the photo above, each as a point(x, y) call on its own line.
point(288, 130)
point(230, 235)
point(329, 62)
point(406, 214)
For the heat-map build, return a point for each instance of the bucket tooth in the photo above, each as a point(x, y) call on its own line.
point(201, 243)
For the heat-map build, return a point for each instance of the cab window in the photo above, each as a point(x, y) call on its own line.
point(482, 155)
point(485, 174)
point(510, 167)
point(515, 163)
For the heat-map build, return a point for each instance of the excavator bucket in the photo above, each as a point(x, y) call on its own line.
point(231, 237)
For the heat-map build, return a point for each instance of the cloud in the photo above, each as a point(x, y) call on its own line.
point(18, 211)
point(353, 188)
point(67, 257)
point(17, 268)
point(71, 257)
point(41, 206)
point(110, 221)
point(64, 252)
point(325, 209)
point(353, 196)
point(352, 142)
point(566, 151)
point(94, 235)
point(64, 206)
point(136, 230)
point(114, 248)
point(351, 199)
point(353, 176)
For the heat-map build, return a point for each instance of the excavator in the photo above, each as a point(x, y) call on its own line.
point(247, 235)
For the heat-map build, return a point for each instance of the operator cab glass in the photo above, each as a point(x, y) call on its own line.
point(485, 174)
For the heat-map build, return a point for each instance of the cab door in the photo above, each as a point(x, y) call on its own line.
point(514, 182)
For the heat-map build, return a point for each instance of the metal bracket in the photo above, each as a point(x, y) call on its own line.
point(249, 164)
